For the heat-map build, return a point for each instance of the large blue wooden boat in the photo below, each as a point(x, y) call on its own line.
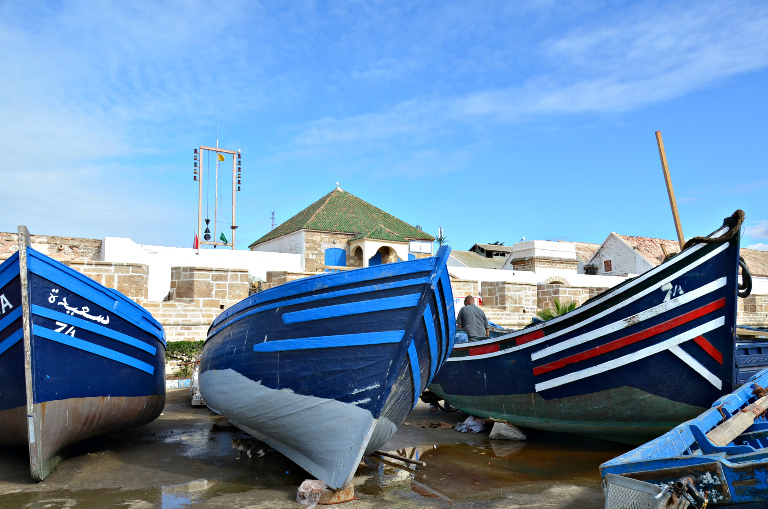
point(628, 365)
point(77, 359)
point(324, 369)
point(730, 474)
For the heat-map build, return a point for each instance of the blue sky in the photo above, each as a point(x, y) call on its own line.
point(495, 120)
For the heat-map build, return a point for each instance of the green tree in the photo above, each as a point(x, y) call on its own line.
point(186, 352)
point(560, 309)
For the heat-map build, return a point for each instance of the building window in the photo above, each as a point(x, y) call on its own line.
point(608, 266)
point(335, 257)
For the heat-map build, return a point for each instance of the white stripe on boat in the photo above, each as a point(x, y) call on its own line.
point(633, 357)
point(581, 323)
point(632, 320)
point(697, 366)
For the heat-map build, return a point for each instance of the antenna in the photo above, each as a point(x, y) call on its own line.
point(273, 220)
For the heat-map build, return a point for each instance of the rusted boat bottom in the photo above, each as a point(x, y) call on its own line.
point(58, 424)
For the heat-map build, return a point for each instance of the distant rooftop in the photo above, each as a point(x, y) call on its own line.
point(650, 248)
point(757, 261)
point(584, 250)
point(472, 259)
point(340, 211)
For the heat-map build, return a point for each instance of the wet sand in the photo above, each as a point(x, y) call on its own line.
point(186, 459)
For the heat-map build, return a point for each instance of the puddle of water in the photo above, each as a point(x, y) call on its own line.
point(483, 469)
point(168, 497)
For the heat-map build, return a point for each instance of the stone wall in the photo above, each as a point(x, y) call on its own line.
point(355, 259)
point(461, 288)
point(59, 248)
point(127, 278)
point(753, 311)
point(547, 293)
point(278, 277)
point(543, 262)
point(315, 244)
point(208, 287)
point(183, 322)
point(509, 304)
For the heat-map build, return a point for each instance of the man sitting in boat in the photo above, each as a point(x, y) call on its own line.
point(473, 320)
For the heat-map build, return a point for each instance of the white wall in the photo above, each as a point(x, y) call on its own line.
point(160, 260)
point(759, 285)
point(530, 277)
point(292, 243)
point(624, 259)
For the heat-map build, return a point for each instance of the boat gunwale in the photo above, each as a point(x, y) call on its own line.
point(103, 292)
point(682, 435)
point(616, 291)
point(294, 288)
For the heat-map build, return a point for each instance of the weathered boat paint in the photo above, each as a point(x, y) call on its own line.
point(325, 368)
point(735, 475)
point(627, 365)
point(76, 359)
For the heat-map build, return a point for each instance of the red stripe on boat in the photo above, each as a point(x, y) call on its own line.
point(633, 338)
point(479, 350)
point(709, 348)
point(527, 338)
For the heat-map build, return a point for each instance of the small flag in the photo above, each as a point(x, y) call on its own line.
point(223, 238)
point(195, 243)
point(221, 157)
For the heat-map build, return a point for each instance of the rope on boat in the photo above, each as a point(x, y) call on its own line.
point(745, 287)
point(737, 217)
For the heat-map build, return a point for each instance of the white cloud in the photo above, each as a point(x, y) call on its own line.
point(643, 56)
point(760, 246)
point(757, 231)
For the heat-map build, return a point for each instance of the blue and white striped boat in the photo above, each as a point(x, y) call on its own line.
point(324, 369)
point(77, 359)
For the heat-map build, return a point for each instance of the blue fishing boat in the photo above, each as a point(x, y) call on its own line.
point(324, 369)
point(720, 457)
point(77, 359)
point(628, 365)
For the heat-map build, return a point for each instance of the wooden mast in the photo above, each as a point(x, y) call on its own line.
point(670, 191)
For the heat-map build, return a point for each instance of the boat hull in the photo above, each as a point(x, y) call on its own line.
point(733, 475)
point(77, 359)
point(628, 365)
point(324, 369)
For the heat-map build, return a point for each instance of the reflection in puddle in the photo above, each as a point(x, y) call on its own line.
point(182, 495)
point(485, 469)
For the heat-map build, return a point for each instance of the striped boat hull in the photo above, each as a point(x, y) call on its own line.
point(325, 368)
point(95, 360)
point(631, 363)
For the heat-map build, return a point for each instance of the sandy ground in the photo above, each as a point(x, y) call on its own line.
point(185, 459)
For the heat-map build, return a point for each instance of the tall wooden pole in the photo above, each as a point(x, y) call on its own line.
point(670, 191)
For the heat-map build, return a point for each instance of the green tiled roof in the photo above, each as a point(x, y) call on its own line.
point(340, 211)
